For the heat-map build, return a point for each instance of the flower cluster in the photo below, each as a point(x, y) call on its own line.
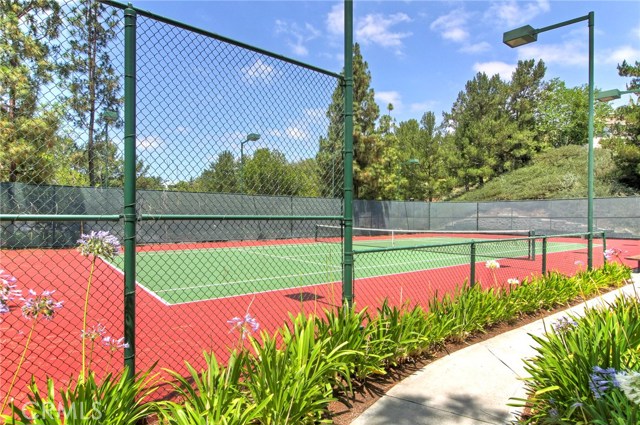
point(513, 281)
point(564, 324)
point(245, 325)
point(114, 344)
point(612, 253)
point(601, 380)
point(7, 291)
point(101, 244)
point(40, 305)
point(492, 265)
point(93, 332)
point(629, 383)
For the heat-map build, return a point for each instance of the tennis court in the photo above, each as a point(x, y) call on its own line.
point(177, 276)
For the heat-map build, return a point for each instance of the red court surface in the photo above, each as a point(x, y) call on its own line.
point(167, 335)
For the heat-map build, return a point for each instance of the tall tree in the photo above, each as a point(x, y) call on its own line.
point(526, 92)
point(28, 127)
point(481, 126)
point(563, 115)
point(625, 130)
point(366, 143)
point(268, 173)
point(221, 177)
point(90, 76)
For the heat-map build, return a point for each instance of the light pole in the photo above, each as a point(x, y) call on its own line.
point(528, 34)
point(251, 137)
point(410, 161)
point(109, 116)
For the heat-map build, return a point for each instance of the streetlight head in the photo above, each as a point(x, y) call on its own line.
point(252, 137)
point(608, 95)
point(520, 36)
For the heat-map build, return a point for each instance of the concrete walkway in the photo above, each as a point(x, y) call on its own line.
point(472, 385)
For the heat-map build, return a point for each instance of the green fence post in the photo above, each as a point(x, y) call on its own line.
point(544, 256)
point(347, 262)
point(472, 274)
point(130, 188)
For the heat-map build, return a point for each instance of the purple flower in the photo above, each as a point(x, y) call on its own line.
point(101, 244)
point(40, 305)
point(564, 324)
point(600, 380)
point(611, 253)
point(114, 344)
point(93, 333)
point(245, 325)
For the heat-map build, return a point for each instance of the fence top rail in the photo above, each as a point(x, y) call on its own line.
point(219, 37)
point(475, 242)
point(59, 217)
point(159, 217)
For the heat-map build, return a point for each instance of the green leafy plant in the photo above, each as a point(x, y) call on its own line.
point(212, 396)
point(116, 400)
point(296, 379)
point(572, 376)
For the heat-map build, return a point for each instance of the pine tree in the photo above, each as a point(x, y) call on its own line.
point(366, 143)
point(28, 126)
point(91, 78)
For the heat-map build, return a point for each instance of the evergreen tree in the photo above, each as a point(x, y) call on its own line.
point(625, 130)
point(28, 127)
point(222, 176)
point(91, 78)
point(367, 146)
point(481, 127)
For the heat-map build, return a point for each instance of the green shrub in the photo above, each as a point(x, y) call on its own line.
point(572, 376)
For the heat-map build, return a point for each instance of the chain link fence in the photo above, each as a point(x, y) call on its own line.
point(238, 156)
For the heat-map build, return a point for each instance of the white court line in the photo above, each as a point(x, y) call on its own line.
point(154, 294)
point(294, 258)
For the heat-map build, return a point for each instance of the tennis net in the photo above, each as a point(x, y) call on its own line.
point(521, 243)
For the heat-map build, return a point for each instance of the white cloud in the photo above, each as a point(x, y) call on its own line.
point(149, 143)
point(422, 107)
point(384, 98)
point(567, 53)
point(297, 36)
point(452, 26)
point(628, 53)
point(259, 70)
point(376, 29)
point(504, 70)
point(512, 13)
point(483, 46)
point(335, 19)
point(296, 133)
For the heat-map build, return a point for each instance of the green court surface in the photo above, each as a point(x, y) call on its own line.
point(181, 276)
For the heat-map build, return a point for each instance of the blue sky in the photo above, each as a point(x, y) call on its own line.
point(421, 53)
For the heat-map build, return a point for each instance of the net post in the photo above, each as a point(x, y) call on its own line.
point(130, 189)
point(347, 259)
point(532, 245)
point(472, 269)
point(544, 256)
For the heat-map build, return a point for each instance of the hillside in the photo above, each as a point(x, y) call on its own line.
point(557, 173)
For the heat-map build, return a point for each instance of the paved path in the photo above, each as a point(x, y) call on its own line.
point(472, 385)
